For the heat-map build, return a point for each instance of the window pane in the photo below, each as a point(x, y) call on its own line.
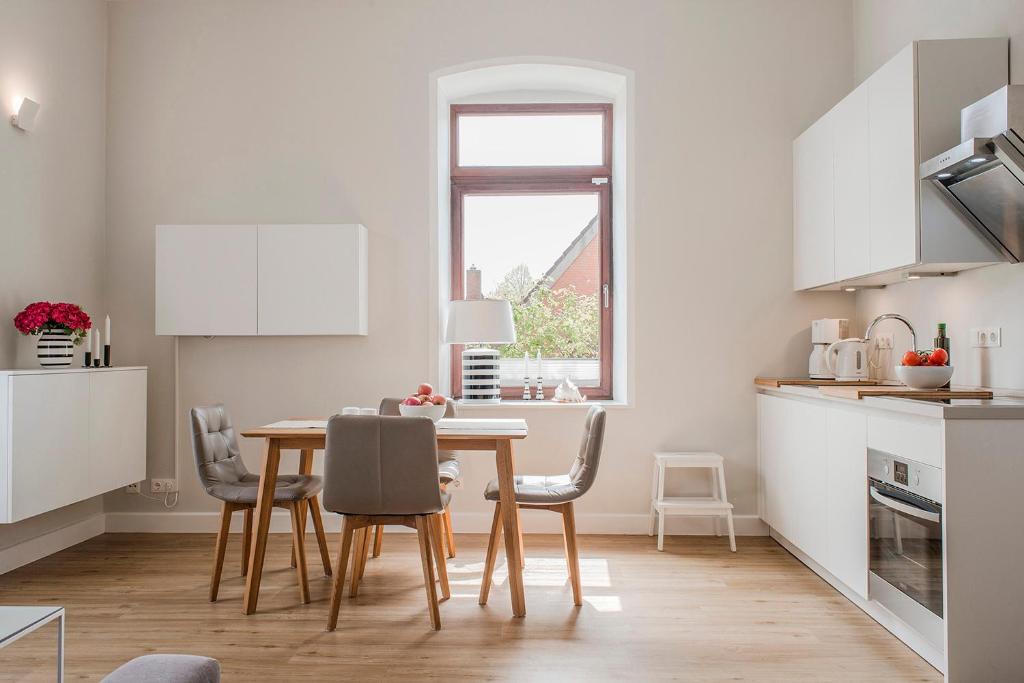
point(541, 253)
point(530, 140)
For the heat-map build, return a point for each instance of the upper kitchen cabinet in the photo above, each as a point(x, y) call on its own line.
point(813, 246)
point(239, 280)
point(877, 222)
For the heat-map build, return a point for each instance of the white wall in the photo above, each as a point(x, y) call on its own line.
point(52, 181)
point(983, 297)
point(271, 111)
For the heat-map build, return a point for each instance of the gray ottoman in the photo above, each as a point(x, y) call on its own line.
point(167, 669)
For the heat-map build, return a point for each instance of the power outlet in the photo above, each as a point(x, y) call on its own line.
point(986, 337)
point(884, 341)
point(132, 488)
point(163, 485)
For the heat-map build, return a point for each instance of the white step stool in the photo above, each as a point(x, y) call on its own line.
point(717, 505)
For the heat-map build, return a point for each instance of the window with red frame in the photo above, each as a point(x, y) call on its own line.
point(531, 223)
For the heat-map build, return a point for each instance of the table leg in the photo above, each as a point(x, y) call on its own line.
point(60, 648)
point(264, 506)
point(510, 522)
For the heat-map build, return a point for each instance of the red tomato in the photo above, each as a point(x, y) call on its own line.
point(911, 358)
point(938, 357)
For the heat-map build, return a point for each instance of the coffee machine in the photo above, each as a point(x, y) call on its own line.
point(825, 332)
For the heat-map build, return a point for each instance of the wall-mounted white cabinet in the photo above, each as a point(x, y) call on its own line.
point(237, 280)
point(860, 213)
point(68, 435)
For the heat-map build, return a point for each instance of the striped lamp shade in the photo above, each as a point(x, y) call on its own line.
point(55, 349)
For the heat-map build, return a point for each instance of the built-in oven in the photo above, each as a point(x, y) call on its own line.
point(905, 529)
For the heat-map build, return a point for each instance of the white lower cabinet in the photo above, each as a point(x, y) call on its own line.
point(847, 557)
point(813, 469)
point(68, 435)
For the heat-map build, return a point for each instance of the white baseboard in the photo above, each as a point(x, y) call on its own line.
point(51, 542)
point(534, 522)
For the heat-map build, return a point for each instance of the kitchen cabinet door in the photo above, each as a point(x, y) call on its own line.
point(117, 429)
point(312, 279)
point(846, 489)
point(813, 220)
point(793, 471)
point(893, 163)
point(206, 280)
point(851, 140)
point(49, 442)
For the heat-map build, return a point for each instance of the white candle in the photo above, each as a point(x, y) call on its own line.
point(539, 373)
point(526, 364)
point(88, 340)
point(96, 346)
point(106, 335)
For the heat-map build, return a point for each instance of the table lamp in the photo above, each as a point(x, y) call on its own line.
point(480, 321)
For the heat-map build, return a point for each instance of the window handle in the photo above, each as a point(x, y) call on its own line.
point(604, 291)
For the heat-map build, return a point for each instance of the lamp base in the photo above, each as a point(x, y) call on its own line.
point(481, 376)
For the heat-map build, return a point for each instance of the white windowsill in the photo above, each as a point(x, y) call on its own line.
point(539, 405)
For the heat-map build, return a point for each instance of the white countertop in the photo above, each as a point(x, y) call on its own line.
point(998, 408)
point(73, 368)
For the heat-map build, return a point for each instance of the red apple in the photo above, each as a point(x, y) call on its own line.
point(424, 398)
point(438, 400)
point(412, 401)
point(425, 389)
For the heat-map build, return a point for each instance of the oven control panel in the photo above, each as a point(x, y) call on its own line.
point(915, 477)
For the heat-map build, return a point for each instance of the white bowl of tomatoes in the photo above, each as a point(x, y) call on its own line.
point(925, 369)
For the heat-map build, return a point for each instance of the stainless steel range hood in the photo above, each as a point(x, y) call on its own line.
point(983, 176)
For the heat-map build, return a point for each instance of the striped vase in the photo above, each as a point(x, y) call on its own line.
point(55, 349)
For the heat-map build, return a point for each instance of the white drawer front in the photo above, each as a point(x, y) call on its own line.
point(914, 438)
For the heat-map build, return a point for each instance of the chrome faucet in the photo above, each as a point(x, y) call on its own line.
point(893, 316)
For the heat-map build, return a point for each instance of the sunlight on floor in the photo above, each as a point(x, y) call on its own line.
point(539, 571)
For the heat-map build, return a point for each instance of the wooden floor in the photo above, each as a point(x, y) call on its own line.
point(695, 612)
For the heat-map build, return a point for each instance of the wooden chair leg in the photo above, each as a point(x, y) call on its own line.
point(338, 586)
point(321, 537)
point(572, 555)
point(303, 506)
point(423, 534)
point(437, 544)
point(246, 540)
point(359, 552)
point(222, 544)
point(367, 540)
point(300, 550)
point(449, 535)
point(522, 547)
point(378, 539)
point(492, 554)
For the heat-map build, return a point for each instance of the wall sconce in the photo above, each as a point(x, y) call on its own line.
point(25, 116)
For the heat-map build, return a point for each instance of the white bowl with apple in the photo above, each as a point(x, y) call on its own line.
point(424, 403)
point(925, 369)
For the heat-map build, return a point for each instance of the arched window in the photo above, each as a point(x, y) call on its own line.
point(531, 187)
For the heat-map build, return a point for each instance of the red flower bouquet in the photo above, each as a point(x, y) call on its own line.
point(42, 316)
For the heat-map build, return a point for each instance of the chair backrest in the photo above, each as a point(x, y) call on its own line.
point(584, 469)
point(381, 465)
point(215, 445)
point(389, 406)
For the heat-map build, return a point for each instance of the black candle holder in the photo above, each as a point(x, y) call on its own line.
point(87, 363)
point(106, 355)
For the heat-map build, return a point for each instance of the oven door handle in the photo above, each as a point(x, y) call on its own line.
point(905, 508)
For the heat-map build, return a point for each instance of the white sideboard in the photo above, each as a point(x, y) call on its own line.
point(243, 280)
point(860, 213)
point(67, 435)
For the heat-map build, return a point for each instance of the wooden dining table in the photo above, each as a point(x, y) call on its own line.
point(459, 434)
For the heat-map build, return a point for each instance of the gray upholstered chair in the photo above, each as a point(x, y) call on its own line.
point(224, 476)
point(383, 470)
point(166, 669)
point(554, 493)
point(447, 471)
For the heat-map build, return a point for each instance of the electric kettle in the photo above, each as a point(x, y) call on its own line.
point(847, 359)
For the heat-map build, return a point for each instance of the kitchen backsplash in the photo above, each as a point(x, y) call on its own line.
point(984, 297)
